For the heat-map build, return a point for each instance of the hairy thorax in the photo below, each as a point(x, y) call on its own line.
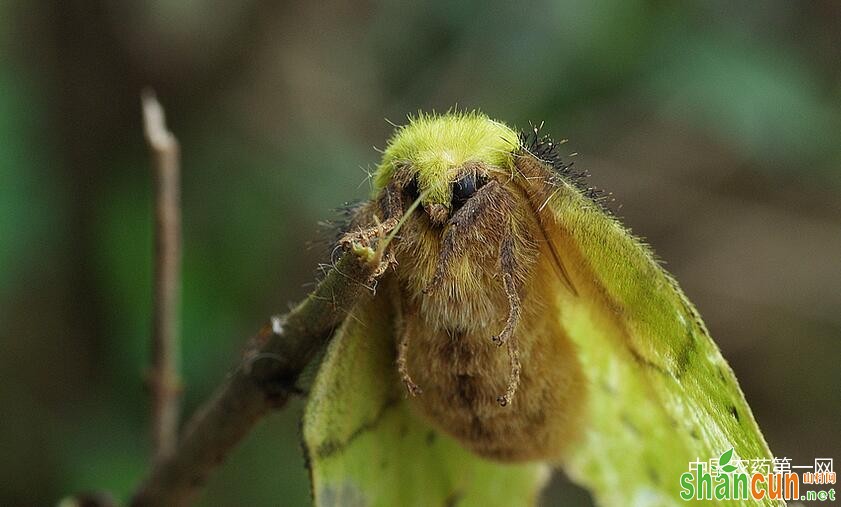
point(458, 367)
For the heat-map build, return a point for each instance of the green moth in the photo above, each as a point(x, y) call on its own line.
point(519, 327)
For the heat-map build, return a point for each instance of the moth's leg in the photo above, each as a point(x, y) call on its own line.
point(490, 208)
point(390, 204)
point(514, 375)
point(403, 369)
point(402, 364)
point(507, 262)
point(403, 340)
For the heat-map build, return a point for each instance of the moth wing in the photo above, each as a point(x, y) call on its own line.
point(365, 447)
point(660, 394)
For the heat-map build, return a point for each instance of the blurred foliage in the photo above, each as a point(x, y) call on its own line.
point(715, 124)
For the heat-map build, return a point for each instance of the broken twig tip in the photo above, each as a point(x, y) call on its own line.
point(277, 325)
point(154, 122)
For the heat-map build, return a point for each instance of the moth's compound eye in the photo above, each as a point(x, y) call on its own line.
point(411, 190)
point(465, 187)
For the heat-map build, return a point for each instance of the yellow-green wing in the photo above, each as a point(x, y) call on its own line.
point(366, 448)
point(660, 395)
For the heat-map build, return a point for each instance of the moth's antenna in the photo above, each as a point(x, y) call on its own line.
point(368, 177)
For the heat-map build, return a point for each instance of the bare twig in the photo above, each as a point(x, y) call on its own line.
point(264, 380)
point(164, 380)
point(270, 367)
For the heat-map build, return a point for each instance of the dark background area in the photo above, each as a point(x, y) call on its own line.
point(715, 125)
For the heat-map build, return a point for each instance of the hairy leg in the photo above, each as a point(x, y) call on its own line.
point(390, 205)
point(507, 264)
point(403, 347)
point(489, 208)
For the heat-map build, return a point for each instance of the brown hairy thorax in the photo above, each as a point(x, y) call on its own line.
point(471, 278)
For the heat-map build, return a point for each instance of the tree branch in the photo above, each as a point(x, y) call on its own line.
point(263, 381)
point(164, 381)
point(270, 367)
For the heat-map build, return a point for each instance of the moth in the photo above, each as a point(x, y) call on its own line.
point(519, 327)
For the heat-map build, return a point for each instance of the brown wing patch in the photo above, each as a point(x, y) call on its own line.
point(540, 182)
point(557, 263)
point(538, 195)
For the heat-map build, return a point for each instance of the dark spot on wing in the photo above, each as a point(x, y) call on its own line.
point(330, 447)
point(453, 498)
point(682, 361)
point(626, 421)
point(652, 474)
point(687, 352)
point(643, 361)
point(735, 413)
point(430, 437)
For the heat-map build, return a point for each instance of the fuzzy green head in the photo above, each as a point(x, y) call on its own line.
point(438, 147)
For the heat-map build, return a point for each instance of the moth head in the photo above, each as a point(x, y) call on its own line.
point(443, 160)
point(466, 182)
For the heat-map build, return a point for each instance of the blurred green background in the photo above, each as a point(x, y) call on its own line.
point(716, 126)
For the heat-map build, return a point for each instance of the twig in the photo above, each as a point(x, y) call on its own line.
point(164, 380)
point(264, 381)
